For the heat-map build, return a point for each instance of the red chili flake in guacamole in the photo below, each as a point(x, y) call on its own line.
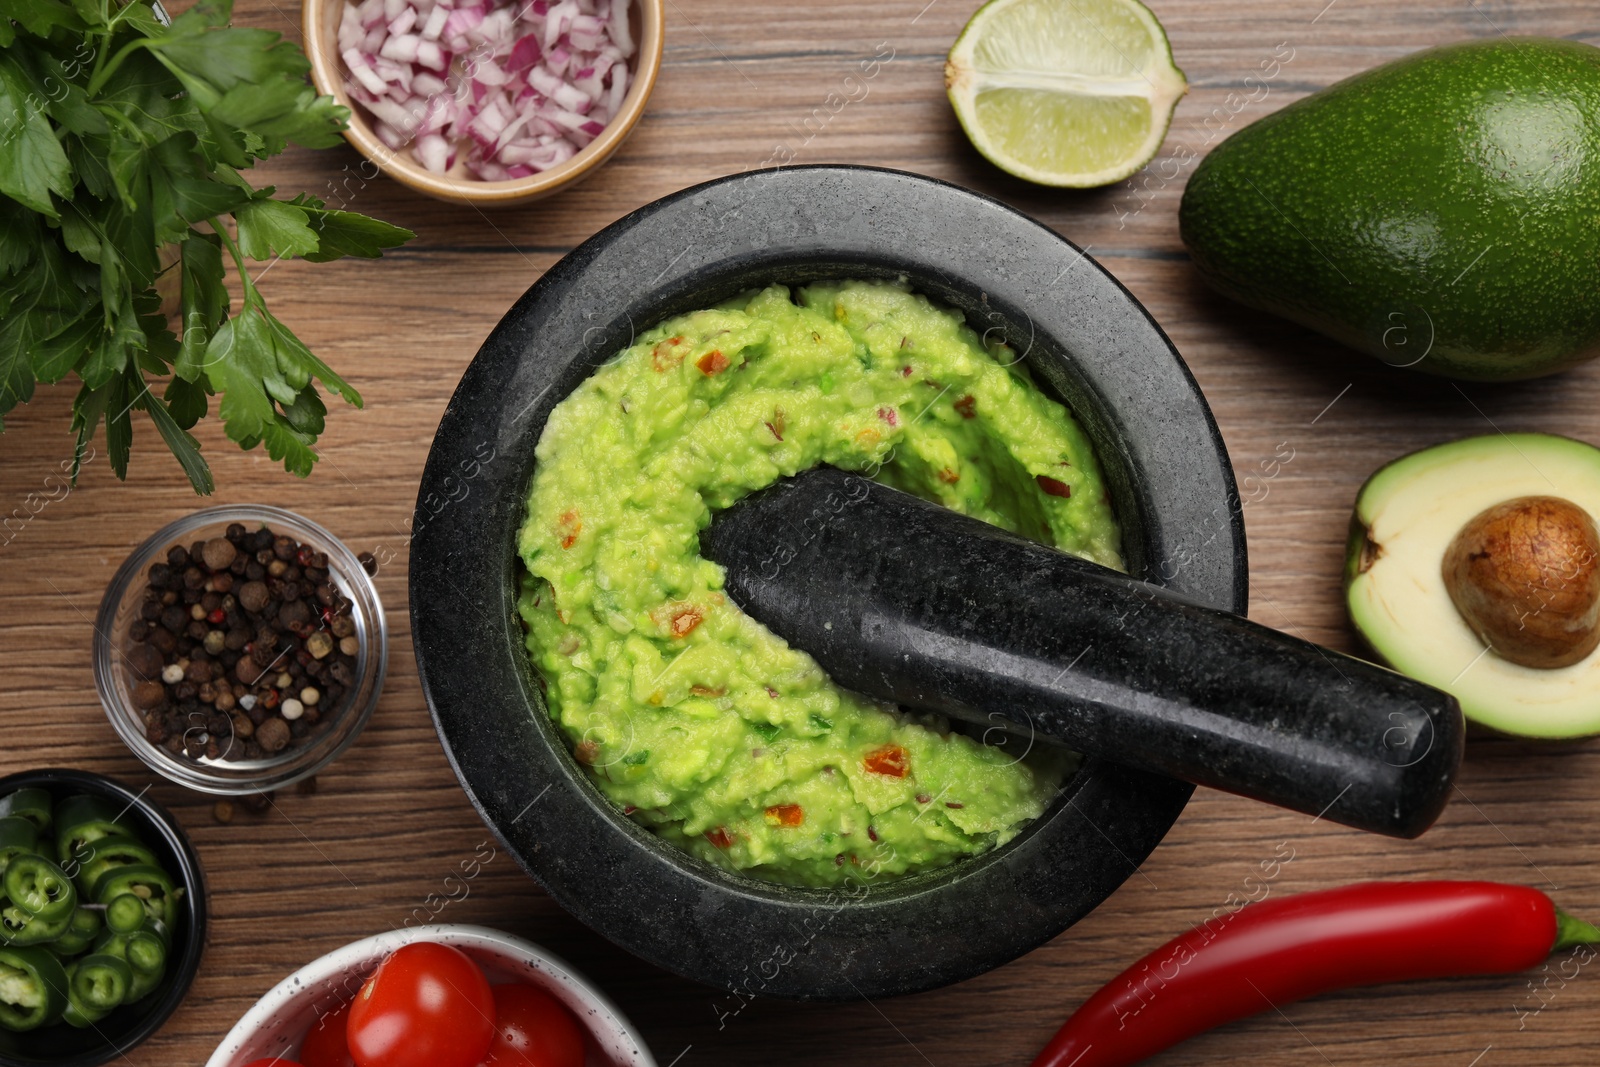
point(967, 407)
point(713, 362)
point(785, 815)
point(666, 355)
point(720, 837)
point(569, 528)
point(684, 620)
point(889, 415)
point(1053, 487)
point(891, 761)
point(948, 476)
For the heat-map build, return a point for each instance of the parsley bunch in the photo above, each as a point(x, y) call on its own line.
point(122, 137)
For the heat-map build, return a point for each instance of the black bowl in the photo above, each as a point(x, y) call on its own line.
point(64, 1046)
point(1084, 336)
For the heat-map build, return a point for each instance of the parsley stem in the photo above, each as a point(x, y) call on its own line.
point(103, 70)
point(238, 259)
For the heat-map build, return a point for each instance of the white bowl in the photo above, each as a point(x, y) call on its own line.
point(280, 1020)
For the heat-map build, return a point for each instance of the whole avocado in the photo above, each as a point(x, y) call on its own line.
point(1441, 212)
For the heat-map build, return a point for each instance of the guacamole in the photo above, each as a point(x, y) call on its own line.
point(695, 719)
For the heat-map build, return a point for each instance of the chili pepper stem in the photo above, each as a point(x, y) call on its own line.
point(1571, 932)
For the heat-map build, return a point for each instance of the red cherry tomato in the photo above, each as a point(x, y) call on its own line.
point(326, 1044)
point(533, 1029)
point(427, 1005)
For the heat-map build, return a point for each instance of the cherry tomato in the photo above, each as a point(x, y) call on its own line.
point(326, 1044)
point(533, 1029)
point(427, 1005)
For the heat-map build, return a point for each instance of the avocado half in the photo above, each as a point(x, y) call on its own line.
point(1406, 516)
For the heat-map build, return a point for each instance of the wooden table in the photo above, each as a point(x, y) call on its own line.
point(389, 823)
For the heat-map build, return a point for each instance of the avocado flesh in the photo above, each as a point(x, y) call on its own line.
point(1406, 516)
point(1441, 212)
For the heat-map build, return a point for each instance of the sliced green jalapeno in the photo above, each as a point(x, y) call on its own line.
point(100, 982)
point(81, 932)
point(90, 863)
point(144, 983)
point(152, 885)
point(39, 887)
point(86, 923)
point(125, 914)
point(77, 1013)
point(32, 804)
point(17, 836)
point(112, 944)
point(19, 927)
point(146, 952)
point(33, 988)
point(83, 820)
point(68, 946)
point(78, 936)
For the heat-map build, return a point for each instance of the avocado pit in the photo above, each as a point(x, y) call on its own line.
point(1525, 575)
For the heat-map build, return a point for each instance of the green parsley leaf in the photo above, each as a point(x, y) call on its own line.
point(87, 409)
point(32, 164)
point(205, 305)
point(307, 414)
point(186, 401)
point(185, 447)
point(268, 227)
point(119, 426)
point(39, 17)
point(19, 230)
point(43, 301)
point(345, 233)
point(55, 357)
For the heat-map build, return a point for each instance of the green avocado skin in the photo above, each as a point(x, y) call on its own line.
point(1441, 212)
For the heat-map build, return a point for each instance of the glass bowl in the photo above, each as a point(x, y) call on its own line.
point(115, 680)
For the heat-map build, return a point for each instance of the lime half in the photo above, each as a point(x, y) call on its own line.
point(1073, 93)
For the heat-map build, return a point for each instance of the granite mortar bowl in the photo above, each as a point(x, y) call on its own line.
point(1085, 338)
point(115, 1035)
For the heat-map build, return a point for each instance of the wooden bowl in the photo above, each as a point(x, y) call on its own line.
point(320, 20)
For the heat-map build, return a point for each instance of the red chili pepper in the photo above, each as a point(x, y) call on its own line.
point(1053, 486)
point(891, 761)
point(1270, 954)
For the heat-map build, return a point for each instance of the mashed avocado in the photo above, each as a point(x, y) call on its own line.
point(698, 721)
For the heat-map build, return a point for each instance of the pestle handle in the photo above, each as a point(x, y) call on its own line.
point(910, 602)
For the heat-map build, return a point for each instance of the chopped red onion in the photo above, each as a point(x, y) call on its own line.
point(488, 89)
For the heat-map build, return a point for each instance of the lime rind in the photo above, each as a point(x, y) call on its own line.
point(1067, 93)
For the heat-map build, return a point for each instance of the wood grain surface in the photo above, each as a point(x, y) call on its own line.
point(742, 77)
